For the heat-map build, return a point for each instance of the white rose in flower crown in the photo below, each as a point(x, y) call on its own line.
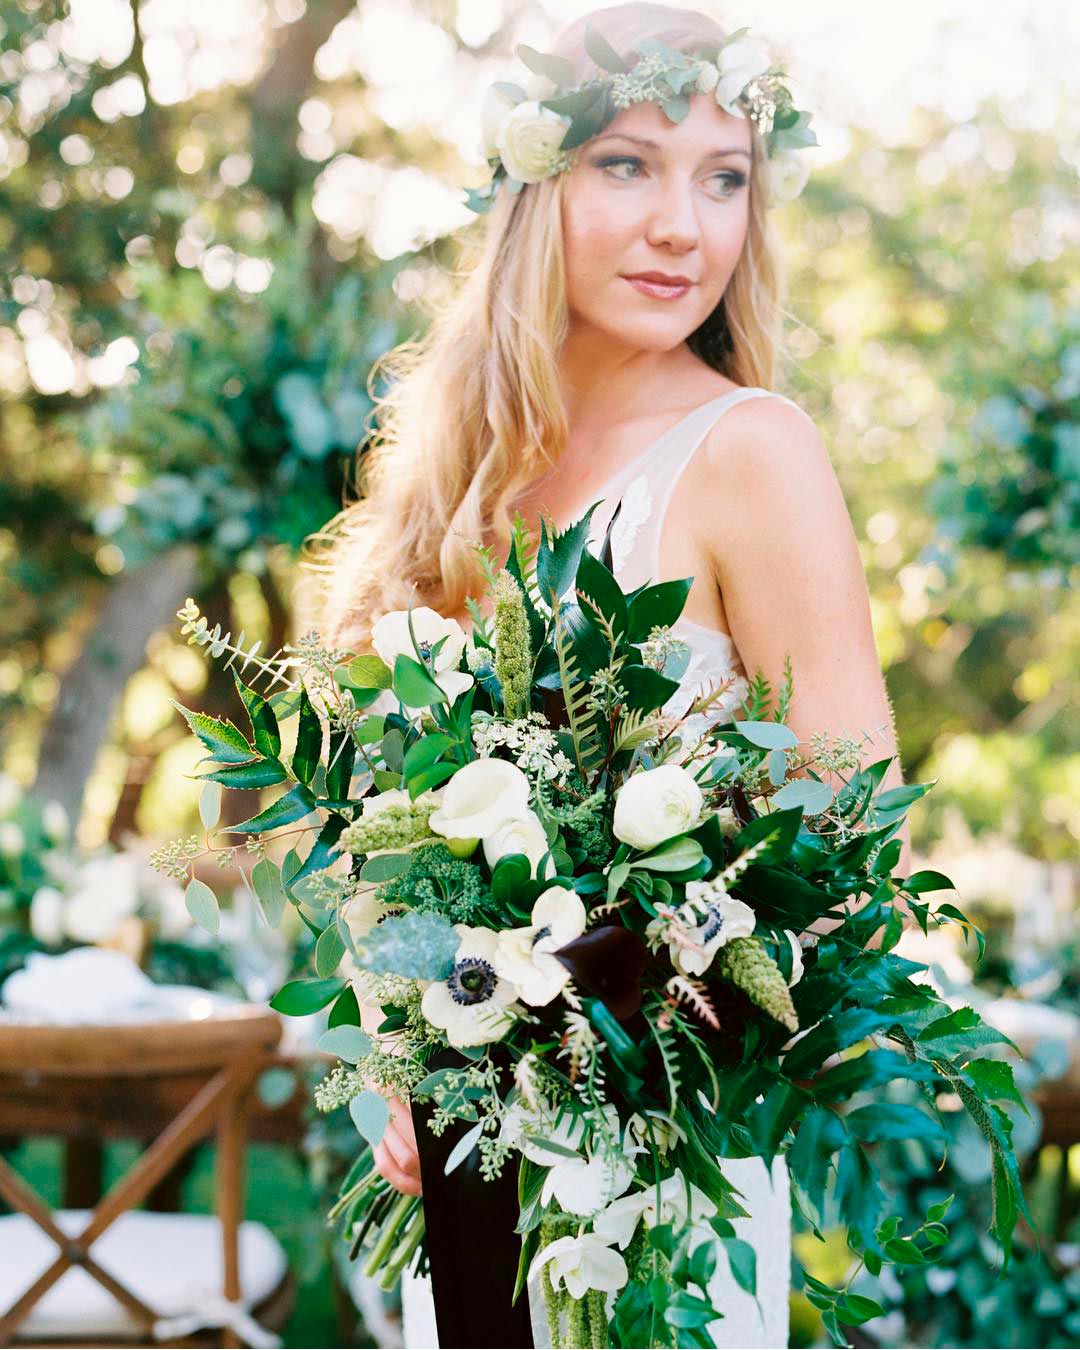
point(739, 63)
point(480, 798)
point(582, 1263)
point(655, 805)
point(525, 955)
point(520, 834)
point(528, 141)
point(472, 1005)
point(493, 112)
point(788, 171)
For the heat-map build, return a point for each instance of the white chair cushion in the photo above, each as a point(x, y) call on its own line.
point(173, 1262)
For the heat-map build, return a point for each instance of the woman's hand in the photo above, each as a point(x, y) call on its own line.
point(396, 1156)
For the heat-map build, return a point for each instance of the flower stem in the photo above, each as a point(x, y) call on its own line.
point(388, 1234)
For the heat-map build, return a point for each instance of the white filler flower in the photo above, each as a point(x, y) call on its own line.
point(655, 805)
point(480, 798)
point(525, 954)
point(582, 1263)
point(472, 1004)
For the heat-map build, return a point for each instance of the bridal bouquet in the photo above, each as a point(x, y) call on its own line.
point(610, 946)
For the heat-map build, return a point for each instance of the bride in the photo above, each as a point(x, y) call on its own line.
point(616, 342)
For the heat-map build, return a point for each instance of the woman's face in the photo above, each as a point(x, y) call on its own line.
point(653, 196)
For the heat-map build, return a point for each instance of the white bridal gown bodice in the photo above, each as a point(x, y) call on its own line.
point(645, 487)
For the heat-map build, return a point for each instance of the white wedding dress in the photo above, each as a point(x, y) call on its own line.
point(645, 487)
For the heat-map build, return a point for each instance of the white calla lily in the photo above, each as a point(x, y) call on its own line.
point(480, 798)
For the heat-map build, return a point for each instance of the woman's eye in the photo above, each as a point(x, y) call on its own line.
point(628, 168)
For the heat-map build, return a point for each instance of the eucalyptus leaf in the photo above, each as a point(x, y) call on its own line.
point(463, 1147)
point(371, 1115)
point(347, 1042)
point(202, 905)
point(266, 881)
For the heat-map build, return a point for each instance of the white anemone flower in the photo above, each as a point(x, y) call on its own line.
point(480, 798)
point(473, 1004)
point(698, 930)
point(521, 834)
point(525, 955)
point(681, 1202)
point(582, 1263)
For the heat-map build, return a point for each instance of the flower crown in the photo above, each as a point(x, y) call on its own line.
point(528, 139)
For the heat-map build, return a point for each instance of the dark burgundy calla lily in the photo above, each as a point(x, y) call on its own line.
point(608, 964)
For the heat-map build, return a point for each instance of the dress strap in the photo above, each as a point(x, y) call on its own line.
point(680, 455)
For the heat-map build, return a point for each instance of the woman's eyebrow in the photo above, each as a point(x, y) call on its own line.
point(646, 144)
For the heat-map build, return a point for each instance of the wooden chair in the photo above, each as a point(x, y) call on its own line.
point(215, 1062)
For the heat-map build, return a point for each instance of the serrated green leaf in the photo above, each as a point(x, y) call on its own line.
point(264, 725)
point(224, 743)
point(287, 810)
point(309, 738)
point(259, 773)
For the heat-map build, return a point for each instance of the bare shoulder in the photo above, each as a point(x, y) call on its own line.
point(766, 473)
point(764, 438)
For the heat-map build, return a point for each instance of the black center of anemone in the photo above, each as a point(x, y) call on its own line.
point(541, 933)
point(425, 649)
point(714, 922)
point(472, 981)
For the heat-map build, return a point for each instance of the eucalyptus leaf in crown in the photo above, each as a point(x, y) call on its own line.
point(594, 931)
point(527, 139)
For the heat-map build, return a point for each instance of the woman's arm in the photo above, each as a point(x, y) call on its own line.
point(785, 557)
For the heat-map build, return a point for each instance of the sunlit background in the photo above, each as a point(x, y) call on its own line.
point(215, 216)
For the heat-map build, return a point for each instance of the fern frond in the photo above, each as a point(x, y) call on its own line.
point(706, 701)
point(579, 716)
point(693, 994)
point(635, 728)
point(758, 700)
point(669, 1057)
point(525, 548)
point(481, 634)
point(197, 630)
point(614, 659)
point(787, 689)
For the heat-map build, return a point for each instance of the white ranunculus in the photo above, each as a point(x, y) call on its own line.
point(47, 916)
point(526, 954)
point(105, 895)
point(739, 63)
point(521, 834)
point(493, 112)
point(796, 958)
point(582, 1263)
point(528, 141)
point(473, 1004)
point(709, 924)
point(680, 1202)
point(787, 174)
point(480, 798)
point(655, 805)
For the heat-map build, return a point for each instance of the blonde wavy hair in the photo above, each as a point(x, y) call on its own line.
point(473, 413)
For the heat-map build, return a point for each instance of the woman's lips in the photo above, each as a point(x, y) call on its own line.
point(657, 289)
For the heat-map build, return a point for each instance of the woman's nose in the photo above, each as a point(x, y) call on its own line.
point(673, 220)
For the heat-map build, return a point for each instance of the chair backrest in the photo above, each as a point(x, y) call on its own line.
point(225, 1051)
point(136, 1048)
